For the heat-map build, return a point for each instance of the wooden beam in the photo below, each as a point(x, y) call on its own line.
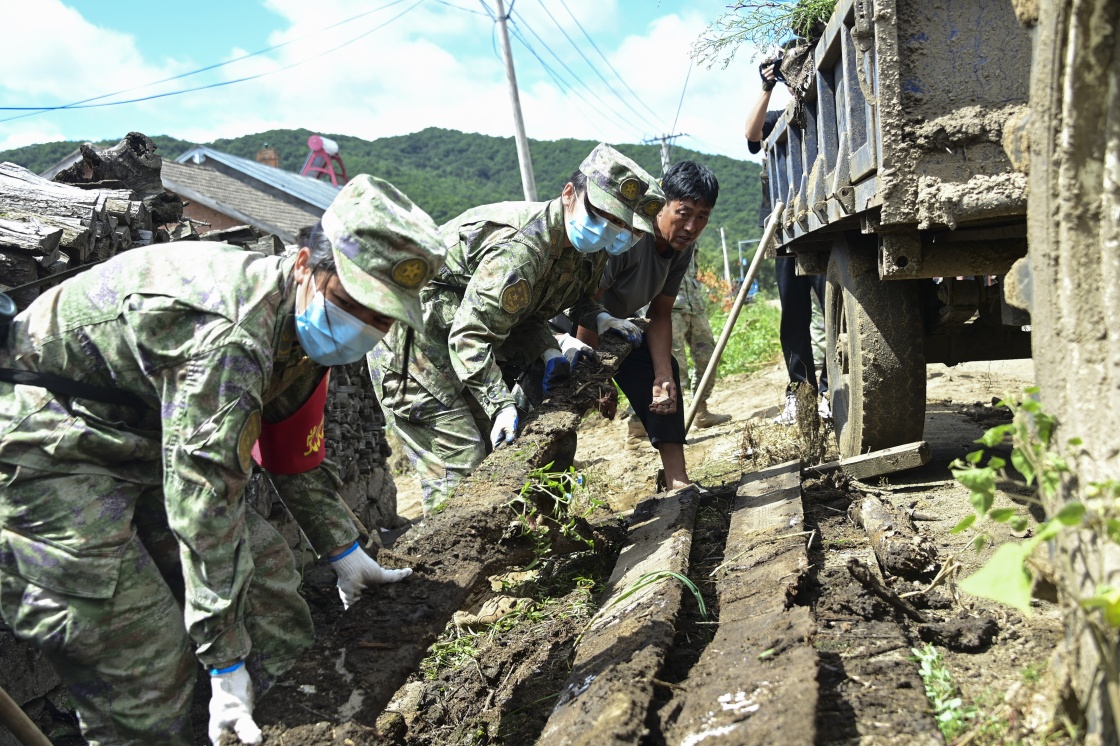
point(608, 694)
point(876, 463)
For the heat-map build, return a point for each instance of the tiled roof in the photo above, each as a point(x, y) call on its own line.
point(312, 191)
point(199, 183)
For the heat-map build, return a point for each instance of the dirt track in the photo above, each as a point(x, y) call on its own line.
point(821, 659)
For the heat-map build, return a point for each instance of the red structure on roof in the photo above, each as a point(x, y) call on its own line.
point(324, 154)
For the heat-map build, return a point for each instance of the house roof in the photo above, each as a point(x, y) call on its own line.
point(230, 196)
point(312, 191)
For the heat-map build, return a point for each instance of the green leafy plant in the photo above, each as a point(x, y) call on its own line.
point(556, 493)
point(1040, 463)
point(761, 24)
point(952, 714)
point(645, 580)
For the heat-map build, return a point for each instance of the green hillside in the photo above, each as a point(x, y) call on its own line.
point(447, 171)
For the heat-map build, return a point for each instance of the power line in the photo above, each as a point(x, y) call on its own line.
point(594, 46)
point(223, 83)
point(466, 10)
point(594, 69)
point(622, 118)
point(681, 102)
point(38, 109)
point(564, 86)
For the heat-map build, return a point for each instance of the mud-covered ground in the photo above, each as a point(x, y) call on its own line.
point(499, 686)
point(497, 671)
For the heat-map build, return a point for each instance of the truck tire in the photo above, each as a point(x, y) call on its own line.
point(875, 356)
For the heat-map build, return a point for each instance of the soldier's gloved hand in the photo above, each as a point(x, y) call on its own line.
point(231, 704)
point(607, 323)
point(505, 426)
point(556, 369)
point(357, 571)
point(574, 350)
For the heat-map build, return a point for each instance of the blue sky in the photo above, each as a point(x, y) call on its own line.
point(434, 65)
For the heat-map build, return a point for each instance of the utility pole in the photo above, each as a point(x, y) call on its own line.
point(664, 140)
point(527, 180)
point(726, 262)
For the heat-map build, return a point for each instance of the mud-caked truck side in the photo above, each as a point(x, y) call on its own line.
point(1071, 283)
point(891, 162)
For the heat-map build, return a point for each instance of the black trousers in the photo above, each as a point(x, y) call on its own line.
point(635, 378)
point(796, 294)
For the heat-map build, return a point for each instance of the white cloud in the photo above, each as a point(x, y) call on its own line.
point(433, 67)
point(52, 51)
point(17, 138)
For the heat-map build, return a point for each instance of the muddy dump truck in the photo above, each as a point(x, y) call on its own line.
point(891, 162)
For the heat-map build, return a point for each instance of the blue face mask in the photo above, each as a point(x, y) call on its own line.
point(330, 336)
point(589, 233)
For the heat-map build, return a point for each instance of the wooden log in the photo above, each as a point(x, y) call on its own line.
point(269, 245)
point(31, 236)
point(16, 268)
point(877, 463)
point(131, 164)
point(238, 235)
point(60, 265)
point(624, 647)
point(383, 637)
point(898, 546)
point(23, 191)
point(756, 681)
point(165, 208)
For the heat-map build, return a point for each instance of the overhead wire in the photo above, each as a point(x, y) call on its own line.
point(78, 104)
point(465, 10)
point(595, 46)
point(565, 88)
point(669, 145)
point(223, 83)
point(515, 31)
point(619, 118)
point(594, 68)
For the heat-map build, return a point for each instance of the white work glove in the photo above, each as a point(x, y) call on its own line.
point(357, 571)
point(557, 369)
point(574, 350)
point(231, 704)
point(607, 323)
point(505, 426)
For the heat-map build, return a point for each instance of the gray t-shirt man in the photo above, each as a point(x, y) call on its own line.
point(631, 280)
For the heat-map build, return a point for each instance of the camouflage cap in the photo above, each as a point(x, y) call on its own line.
point(618, 186)
point(385, 247)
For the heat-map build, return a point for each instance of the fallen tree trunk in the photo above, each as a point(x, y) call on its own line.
point(898, 546)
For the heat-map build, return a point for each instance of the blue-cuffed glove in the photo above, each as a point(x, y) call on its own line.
point(505, 426)
point(557, 369)
point(357, 571)
point(231, 704)
point(607, 323)
point(574, 350)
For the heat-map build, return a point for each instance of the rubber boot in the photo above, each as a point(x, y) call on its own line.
point(704, 418)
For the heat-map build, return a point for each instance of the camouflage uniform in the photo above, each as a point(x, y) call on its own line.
point(96, 493)
point(485, 321)
point(691, 327)
point(124, 534)
point(510, 268)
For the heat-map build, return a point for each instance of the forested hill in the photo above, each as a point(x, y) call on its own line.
point(446, 171)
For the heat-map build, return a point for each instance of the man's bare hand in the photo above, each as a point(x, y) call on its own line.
point(664, 397)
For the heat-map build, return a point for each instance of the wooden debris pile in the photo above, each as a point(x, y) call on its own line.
point(109, 201)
